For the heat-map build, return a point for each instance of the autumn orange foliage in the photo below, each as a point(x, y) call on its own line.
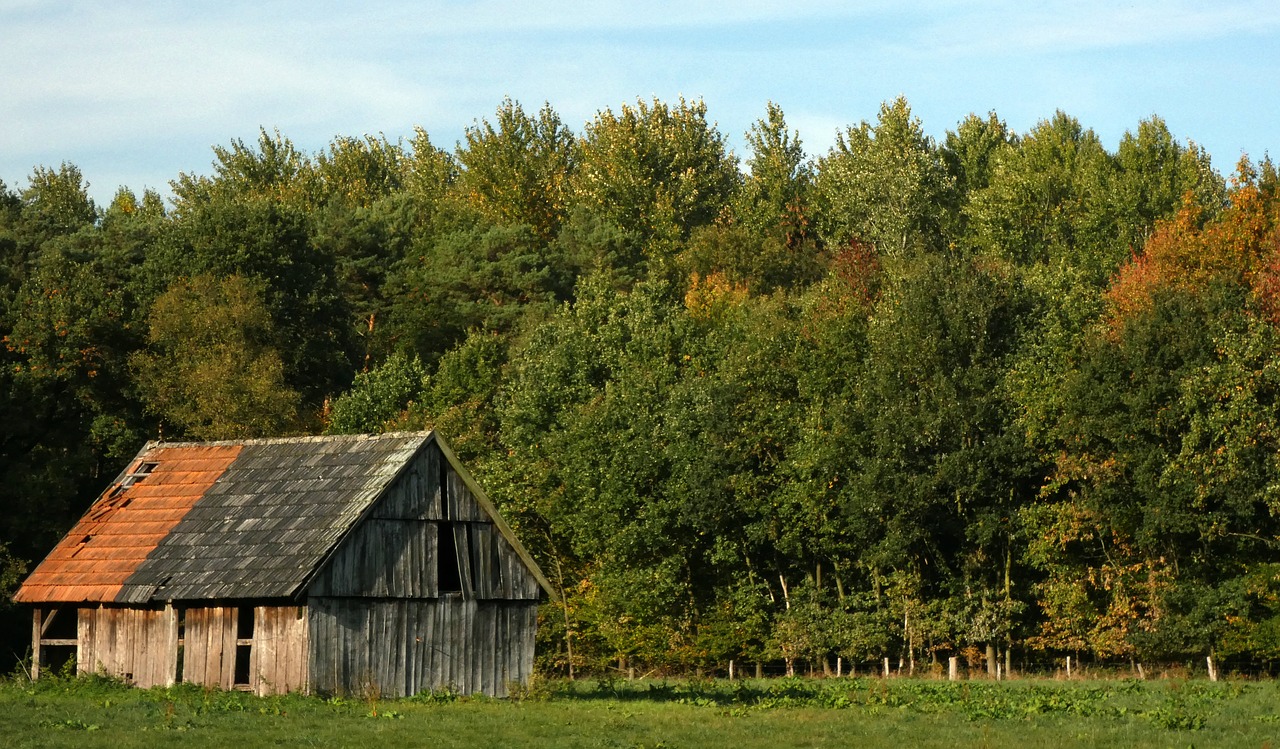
point(1240, 246)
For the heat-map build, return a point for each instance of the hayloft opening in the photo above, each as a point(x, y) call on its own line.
point(448, 571)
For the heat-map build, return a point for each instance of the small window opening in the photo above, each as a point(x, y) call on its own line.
point(58, 637)
point(137, 474)
point(244, 644)
point(449, 577)
point(182, 642)
point(244, 623)
point(61, 623)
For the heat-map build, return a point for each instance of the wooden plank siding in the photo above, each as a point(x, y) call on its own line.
point(278, 659)
point(394, 552)
point(209, 647)
point(396, 648)
point(383, 557)
point(137, 645)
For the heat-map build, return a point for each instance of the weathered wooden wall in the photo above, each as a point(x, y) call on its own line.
point(402, 647)
point(209, 646)
point(279, 659)
point(394, 553)
point(378, 620)
point(277, 654)
point(137, 645)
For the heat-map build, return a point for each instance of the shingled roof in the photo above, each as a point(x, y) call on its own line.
point(250, 519)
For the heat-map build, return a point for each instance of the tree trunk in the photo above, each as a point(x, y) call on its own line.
point(991, 660)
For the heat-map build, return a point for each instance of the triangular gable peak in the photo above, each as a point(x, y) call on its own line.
point(432, 532)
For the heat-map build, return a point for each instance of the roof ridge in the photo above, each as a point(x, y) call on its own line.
point(294, 440)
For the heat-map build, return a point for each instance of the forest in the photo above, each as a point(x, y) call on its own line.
point(1007, 396)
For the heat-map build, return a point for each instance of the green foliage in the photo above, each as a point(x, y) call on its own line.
point(654, 170)
point(211, 369)
point(884, 184)
point(914, 399)
point(378, 397)
point(519, 171)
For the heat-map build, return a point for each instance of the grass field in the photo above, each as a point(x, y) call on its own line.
point(862, 713)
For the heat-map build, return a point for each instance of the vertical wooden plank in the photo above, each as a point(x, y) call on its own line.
point(491, 651)
point(191, 649)
point(475, 645)
point(469, 646)
point(482, 643)
point(421, 645)
point(143, 662)
point(318, 667)
point(427, 644)
point(84, 642)
point(461, 667)
point(217, 646)
point(226, 646)
point(36, 653)
point(404, 638)
point(261, 667)
point(119, 643)
point(169, 637)
point(446, 641)
point(480, 559)
point(142, 620)
point(213, 648)
point(431, 482)
point(304, 643)
point(200, 643)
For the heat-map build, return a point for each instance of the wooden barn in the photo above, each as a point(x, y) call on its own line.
point(346, 565)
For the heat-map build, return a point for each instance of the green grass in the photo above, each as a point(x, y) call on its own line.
point(863, 713)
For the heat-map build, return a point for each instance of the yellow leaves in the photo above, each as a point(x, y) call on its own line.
point(710, 296)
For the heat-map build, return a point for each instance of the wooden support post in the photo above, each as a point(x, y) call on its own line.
point(1213, 669)
point(839, 666)
point(953, 668)
point(35, 644)
point(1068, 667)
point(886, 668)
point(730, 669)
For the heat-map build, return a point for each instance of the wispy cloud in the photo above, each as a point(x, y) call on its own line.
point(113, 86)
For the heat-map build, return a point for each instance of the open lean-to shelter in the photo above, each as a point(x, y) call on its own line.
point(342, 565)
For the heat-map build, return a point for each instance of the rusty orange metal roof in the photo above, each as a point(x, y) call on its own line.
point(123, 526)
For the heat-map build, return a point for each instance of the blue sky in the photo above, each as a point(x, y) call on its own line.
point(135, 92)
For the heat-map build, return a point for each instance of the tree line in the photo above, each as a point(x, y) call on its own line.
point(1000, 393)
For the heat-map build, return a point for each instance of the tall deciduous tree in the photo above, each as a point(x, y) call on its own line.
point(518, 171)
point(656, 170)
point(883, 184)
point(211, 369)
